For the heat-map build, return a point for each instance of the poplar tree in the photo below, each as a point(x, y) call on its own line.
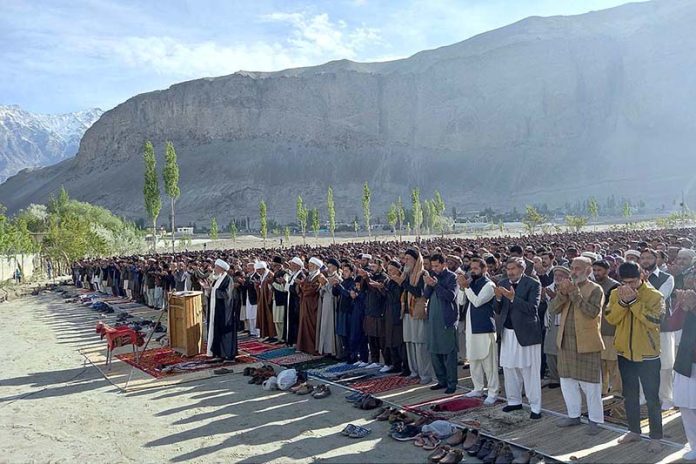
point(170, 176)
point(151, 191)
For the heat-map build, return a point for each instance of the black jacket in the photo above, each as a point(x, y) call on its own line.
point(523, 310)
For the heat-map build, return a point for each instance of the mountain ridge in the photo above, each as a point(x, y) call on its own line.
point(507, 117)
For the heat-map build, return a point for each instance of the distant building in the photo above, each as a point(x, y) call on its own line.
point(184, 230)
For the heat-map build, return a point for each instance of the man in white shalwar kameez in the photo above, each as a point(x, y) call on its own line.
point(481, 345)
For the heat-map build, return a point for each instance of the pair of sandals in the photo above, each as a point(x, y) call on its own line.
point(393, 415)
point(427, 441)
point(302, 388)
point(446, 455)
point(355, 431)
point(259, 375)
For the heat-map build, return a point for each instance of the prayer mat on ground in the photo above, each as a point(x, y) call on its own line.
point(165, 362)
point(358, 375)
point(292, 359)
point(316, 363)
point(254, 347)
point(277, 353)
point(383, 384)
point(615, 413)
point(331, 371)
point(427, 407)
point(450, 409)
point(490, 419)
point(341, 367)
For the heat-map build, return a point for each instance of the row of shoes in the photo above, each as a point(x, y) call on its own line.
point(489, 451)
point(364, 401)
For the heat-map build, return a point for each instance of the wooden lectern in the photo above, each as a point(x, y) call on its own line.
point(185, 323)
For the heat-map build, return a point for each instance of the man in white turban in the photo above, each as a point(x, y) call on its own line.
point(222, 323)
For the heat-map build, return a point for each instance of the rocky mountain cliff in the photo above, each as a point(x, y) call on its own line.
point(29, 140)
point(543, 110)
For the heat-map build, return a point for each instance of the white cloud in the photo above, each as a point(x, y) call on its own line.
point(312, 39)
point(319, 36)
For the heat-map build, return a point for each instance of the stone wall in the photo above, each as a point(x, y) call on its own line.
point(29, 264)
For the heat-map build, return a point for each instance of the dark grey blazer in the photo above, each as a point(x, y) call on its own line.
point(523, 310)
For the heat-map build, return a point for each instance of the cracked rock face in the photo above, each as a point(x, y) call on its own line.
point(544, 110)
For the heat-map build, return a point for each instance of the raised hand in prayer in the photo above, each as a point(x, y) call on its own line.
point(566, 287)
point(627, 293)
point(462, 281)
point(509, 294)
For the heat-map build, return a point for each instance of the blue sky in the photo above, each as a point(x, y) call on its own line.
point(63, 55)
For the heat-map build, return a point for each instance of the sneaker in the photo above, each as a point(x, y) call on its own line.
point(490, 400)
point(362, 364)
point(426, 380)
point(357, 363)
point(407, 433)
point(385, 369)
point(690, 456)
point(474, 394)
point(667, 405)
point(374, 366)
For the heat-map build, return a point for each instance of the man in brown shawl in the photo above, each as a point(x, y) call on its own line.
point(309, 306)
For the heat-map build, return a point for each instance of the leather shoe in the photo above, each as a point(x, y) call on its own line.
point(384, 414)
point(322, 391)
point(491, 457)
point(458, 438)
point(438, 387)
point(476, 447)
point(524, 458)
point(485, 449)
point(471, 439)
point(535, 415)
point(305, 389)
point(453, 457)
point(505, 456)
point(439, 453)
point(510, 408)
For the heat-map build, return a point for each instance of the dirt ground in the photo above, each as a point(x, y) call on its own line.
point(52, 409)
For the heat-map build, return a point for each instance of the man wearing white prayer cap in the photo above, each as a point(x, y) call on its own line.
point(309, 307)
point(632, 255)
point(222, 323)
point(264, 303)
point(292, 313)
